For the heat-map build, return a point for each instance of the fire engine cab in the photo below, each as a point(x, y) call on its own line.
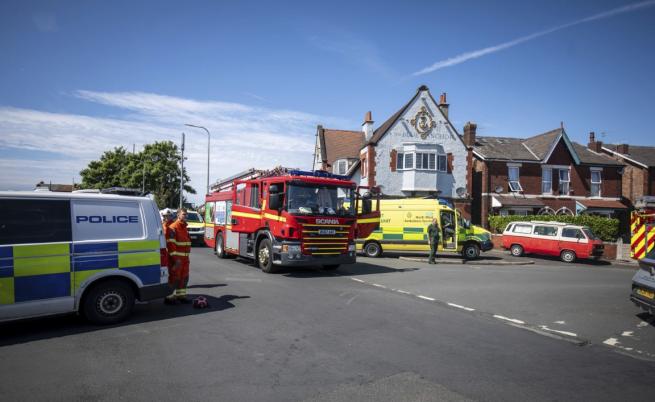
point(290, 218)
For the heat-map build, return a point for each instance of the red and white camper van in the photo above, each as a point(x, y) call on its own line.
point(567, 241)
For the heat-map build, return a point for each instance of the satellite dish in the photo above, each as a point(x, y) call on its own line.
point(460, 191)
point(499, 189)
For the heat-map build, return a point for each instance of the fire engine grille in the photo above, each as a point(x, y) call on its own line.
point(325, 239)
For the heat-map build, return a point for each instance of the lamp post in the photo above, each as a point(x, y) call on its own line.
point(208, 148)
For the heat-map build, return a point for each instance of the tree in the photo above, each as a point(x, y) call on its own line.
point(155, 169)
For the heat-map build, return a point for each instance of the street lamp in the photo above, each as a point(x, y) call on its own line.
point(208, 148)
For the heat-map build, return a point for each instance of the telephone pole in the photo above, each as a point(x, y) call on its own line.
point(182, 173)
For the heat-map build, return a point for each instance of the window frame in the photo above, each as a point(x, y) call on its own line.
point(337, 164)
point(55, 225)
point(599, 171)
point(543, 181)
point(560, 181)
point(514, 185)
point(442, 158)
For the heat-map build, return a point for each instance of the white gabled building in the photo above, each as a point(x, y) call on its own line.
point(416, 152)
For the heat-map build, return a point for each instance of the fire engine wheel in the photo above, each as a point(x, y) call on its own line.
point(372, 249)
point(220, 248)
point(567, 256)
point(471, 251)
point(516, 250)
point(265, 256)
point(108, 302)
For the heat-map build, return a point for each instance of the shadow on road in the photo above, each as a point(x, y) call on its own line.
point(597, 263)
point(646, 317)
point(58, 326)
point(208, 286)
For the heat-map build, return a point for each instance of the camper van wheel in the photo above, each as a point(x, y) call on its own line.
point(108, 302)
point(516, 250)
point(220, 249)
point(372, 249)
point(471, 251)
point(567, 256)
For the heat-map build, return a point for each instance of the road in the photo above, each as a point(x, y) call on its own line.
point(308, 335)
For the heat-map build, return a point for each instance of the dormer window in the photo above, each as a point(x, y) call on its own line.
point(513, 178)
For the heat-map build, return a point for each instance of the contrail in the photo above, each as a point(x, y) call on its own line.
point(461, 58)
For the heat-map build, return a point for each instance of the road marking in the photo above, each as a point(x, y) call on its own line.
point(611, 341)
point(462, 307)
point(514, 320)
point(642, 324)
point(377, 285)
point(357, 280)
point(403, 292)
point(627, 333)
point(559, 322)
point(424, 297)
point(545, 328)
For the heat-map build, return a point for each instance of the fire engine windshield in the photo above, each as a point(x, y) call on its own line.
point(320, 200)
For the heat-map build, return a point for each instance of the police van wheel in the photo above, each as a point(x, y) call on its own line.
point(108, 302)
point(373, 249)
point(265, 256)
point(471, 251)
point(220, 249)
point(567, 256)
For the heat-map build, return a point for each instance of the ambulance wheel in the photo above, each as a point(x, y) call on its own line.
point(516, 250)
point(108, 302)
point(220, 248)
point(372, 249)
point(567, 256)
point(265, 256)
point(471, 251)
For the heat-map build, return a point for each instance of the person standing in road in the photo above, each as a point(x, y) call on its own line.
point(433, 237)
point(180, 257)
point(169, 235)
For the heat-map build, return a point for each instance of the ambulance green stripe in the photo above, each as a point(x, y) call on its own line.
point(392, 236)
point(41, 265)
point(413, 230)
point(141, 245)
point(138, 259)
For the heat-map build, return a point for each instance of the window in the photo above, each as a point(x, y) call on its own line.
point(595, 183)
point(254, 196)
point(513, 176)
point(545, 230)
point(364, 167)
point(90, 220)
point(409, 161)
point(240, 194)
point(523, 229)
point(400, 161)
point(340, 167)
point(35, 221)
point(431, 162)
point(547, 181)
point(564, 179)
point(442, 163)
point(520, 212)
point(572, 233)
point(425, 161)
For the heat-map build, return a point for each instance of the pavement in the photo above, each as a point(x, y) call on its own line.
point(311, 335)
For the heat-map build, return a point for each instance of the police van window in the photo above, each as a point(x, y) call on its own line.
point(107, 220)
point(35, 221)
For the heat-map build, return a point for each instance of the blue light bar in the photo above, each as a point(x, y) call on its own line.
point(318, 173)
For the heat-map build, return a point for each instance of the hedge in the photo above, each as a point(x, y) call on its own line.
point(605, 228)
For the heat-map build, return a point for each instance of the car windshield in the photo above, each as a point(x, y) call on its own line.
point(320, 200)
point(590, 234)
point(193, 217)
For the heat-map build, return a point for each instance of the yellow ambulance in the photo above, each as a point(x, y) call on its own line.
point(404, 224)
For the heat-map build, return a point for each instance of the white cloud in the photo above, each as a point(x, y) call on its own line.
point(242, 136)
point(461, 58)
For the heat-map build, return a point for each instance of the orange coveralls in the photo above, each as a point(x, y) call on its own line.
point(179, 245)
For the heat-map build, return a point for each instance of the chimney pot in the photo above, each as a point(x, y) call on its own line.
point(443, 106)
point(442, 99)
point(368, 117)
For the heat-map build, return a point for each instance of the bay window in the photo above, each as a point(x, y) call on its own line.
point(421, 161)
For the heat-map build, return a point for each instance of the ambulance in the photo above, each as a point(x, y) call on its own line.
point(94, 254)
point(404, 224)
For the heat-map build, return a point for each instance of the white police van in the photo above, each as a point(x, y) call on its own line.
point(78, 252)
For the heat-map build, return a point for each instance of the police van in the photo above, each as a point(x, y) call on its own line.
point(78, 252)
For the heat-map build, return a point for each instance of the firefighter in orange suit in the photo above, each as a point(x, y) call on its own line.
point(179, 252)
point(167, 221)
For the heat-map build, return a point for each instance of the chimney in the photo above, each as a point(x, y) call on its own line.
point(443, 105)
point(593, 144)
point(622, 149)
point(469, 134)
point(367, 126)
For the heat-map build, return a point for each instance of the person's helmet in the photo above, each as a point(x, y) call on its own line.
point(200, 302)
point(166, 212)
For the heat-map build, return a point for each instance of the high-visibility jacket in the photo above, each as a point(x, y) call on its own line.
point(169, 235)
point(181, 241)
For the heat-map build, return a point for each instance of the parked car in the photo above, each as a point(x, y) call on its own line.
point(643, 284)
point(569, 242)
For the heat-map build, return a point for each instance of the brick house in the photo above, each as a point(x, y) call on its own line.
point(416, 152)
point(543, 174)
point(639, 166)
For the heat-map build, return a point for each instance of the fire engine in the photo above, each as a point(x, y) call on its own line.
point(290, 218)
point(642, 227)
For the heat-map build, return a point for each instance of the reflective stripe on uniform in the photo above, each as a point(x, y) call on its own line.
point(178, 253)
point(180, 243)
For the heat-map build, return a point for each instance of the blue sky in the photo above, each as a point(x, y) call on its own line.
point(78, 78)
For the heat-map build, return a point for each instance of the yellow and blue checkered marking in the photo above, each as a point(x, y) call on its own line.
point(37, 272)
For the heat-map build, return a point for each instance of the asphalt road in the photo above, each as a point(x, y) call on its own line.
point(307, 335)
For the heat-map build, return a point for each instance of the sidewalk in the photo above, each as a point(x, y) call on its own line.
point(492, 257)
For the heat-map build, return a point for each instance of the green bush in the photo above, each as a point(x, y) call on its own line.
point(606, 229)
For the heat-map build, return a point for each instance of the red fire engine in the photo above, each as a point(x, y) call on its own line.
point(642, 225)
point(290, 218)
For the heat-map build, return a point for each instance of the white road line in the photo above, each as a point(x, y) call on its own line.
point(611, 341)
point(545, 328)
point(377, 285)
point(403, 292)
point(627, 333)
point(514, 320)
point(462, 307)
point(559, 322)
point(424, 297)
point(642, 324)
point(357, 280)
